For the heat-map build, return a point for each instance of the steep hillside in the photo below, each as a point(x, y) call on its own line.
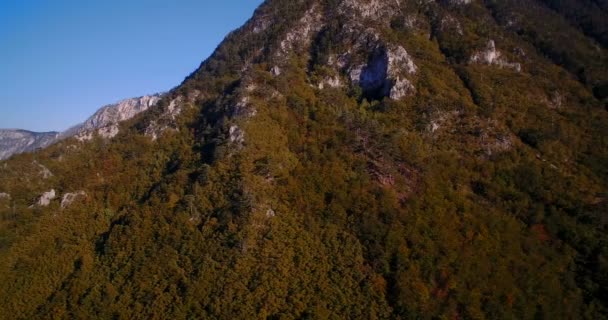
point(336, 159)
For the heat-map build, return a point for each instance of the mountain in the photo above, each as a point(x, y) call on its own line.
point(337, 159)
point(104, 123)
point(14, 141)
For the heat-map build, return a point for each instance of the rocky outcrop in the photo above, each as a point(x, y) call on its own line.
point(370, 9)
point(69, 198)
point(20, 141)
point(275, 71)
point(331, 82)
point(458, 2)
point(270, 213)
point(491, 56)
point(385, 74)
point(243, 107)
point(364, 57)
point(166, 121)
point(105, 121)
point(401, 88)
point(309, 24)
point(4, 196)
point(45, 199)
point(236, 135)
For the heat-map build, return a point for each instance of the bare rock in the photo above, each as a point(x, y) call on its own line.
point(236, 134)
point(105, 121)
point(167, 120)
point(275, 71)
point(19, 141)
point(303, 31)
point(270, 213)
point(109, 132)
point(491, 56)
point(244, 108)
point(370, 9)
point(385, 74)
point(459, 2)
point(45, 199)
point(399, 61)
point(401, 89)
point(69, 198)
point(331, 82)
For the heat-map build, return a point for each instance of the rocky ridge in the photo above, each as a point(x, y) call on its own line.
point(103, 123)
point(19, 141)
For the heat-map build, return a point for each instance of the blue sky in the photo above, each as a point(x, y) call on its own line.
point(60, 60)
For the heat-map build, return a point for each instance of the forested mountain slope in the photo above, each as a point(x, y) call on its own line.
point(337, 159)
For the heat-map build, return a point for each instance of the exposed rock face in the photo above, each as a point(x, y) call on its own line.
point(236, 135)
point(69, 198)
point(458, 2)
point(167, 120)
point(331, 82)
point(491, 56)
point(109, 131)
point(399, 61)
point(46, 198)
point(310, 23)
point(4, 195)
point(276, 71)
point(379, 67)
point(384, 74)
point(19, 141)
point(369, 9)
point(104, 122)
point(401, 89)
point(243, 107)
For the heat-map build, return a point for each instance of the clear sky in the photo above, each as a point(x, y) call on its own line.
point(60, 60)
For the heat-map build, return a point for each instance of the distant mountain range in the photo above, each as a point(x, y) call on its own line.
point(104, 123)
point(13, 141)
